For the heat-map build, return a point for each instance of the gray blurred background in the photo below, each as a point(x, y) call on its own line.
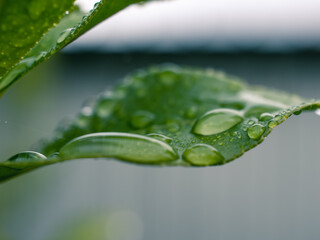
point(269, 193)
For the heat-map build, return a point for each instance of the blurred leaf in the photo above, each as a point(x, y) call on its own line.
point(23, 25)
point(169, 115)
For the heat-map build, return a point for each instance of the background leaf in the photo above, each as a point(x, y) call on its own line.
point(23, 23)
point(169, 115)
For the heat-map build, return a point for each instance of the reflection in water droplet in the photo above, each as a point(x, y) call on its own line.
point(160, 137)
point(203, 155)
point(266, 116)
point(142, 119)
point(217, 121)
point(63, 35)
point(255, 132)
point(27, 156)
point(124, 146)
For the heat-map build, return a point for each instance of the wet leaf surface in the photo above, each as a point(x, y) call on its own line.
point(167, 115)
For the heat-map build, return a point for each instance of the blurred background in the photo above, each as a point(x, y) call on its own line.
point(269, 193)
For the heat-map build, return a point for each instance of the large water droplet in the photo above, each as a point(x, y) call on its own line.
point(203, 155)
point(217, 121)
point(63, 35)
point(160, 137)
point(27, 156)
point(124, 146)
point(142, 119)
point(255, 131)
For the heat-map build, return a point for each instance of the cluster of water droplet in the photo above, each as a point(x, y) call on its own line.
point(191, 134)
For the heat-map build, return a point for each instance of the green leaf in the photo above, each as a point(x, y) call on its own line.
point(168, 115)
point(23, 25)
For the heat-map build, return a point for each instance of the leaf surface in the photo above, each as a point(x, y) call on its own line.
point(167, 115)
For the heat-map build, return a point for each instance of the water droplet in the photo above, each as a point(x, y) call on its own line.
point(63, 35)
point(251, 122)
point(255, 132)
point(203, 155)
point(257, 110)
point(317, 112)
point(266, 116)
point(104, 107)
point(54, 156)
point(124, 146)
point(272, 124)
point(160, 137)
point(278, 118)
point(217, 121)
point(27, 156)
point(142, 119)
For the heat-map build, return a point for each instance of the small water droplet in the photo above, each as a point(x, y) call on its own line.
point(251, 122)
point(217, 121)
point(255, 131)
point(278, 118)
point(63, 35)
point(257, 110)
point(203, 155)
point(272, 124)
point(124, 146)
point(54, 156)
point(104, 107)
point(160, 137)
point(142, 119)
point(266, 116)
point(317, 112)
point(27, 156)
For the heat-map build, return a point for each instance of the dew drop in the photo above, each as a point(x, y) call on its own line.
point(272, 124)
point(63, 35)
point(160, 137)
point(124, 146)
point(203, 155)
point(251, 122)
point(142, 119)
point(317, 112)
point(217, 121)
point(27, 156)
point(266, 116)
point(278, 118)
point(104, 107)
point(257, 110)
point(255, 131)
